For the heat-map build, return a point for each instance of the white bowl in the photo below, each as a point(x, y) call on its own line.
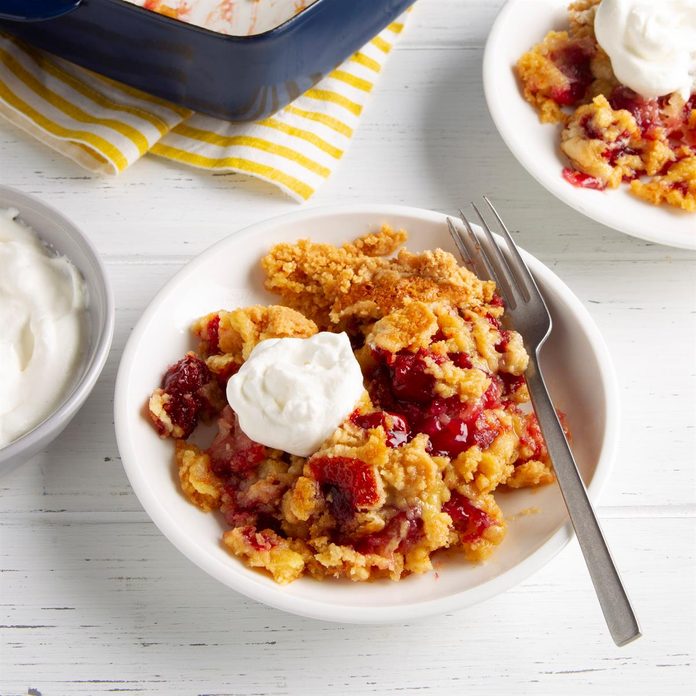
point(520, 25)
point(66, 239)
point(575, 360)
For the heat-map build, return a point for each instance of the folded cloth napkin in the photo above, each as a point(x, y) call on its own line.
point(106, 126)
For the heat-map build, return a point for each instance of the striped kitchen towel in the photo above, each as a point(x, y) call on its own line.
point(106, 126)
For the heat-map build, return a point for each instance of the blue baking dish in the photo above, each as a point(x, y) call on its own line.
point(239, 78)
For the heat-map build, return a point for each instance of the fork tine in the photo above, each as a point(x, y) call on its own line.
point(519, 269)
point(459, 242)
point(466, 249)
point(505, 280)
point(483, 266)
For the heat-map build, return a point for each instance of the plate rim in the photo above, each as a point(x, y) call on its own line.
point(327, 611)
point(552, 181)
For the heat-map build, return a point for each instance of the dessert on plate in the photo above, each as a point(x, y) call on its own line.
point(364, 423)
point(621, 82)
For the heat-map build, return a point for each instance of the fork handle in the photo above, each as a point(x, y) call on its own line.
point(613, 599)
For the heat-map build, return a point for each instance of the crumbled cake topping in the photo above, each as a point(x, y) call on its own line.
point(442, 423)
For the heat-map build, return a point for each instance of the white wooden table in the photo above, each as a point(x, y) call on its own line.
point(95, 600)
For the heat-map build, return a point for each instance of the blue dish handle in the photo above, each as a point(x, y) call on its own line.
point(35, 10)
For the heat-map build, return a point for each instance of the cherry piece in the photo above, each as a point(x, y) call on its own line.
point(213, 334)
point(502, 344)
point(186, 376)
point(183, 383)
point(574, 62)
point(410, 381)
point(471, 522)
point(395, 426)
point(354, 479)
point(232, 452)
point(400, 534)
point(645, 111)
point(582, 180)
point(460, 360)
point(259, 541)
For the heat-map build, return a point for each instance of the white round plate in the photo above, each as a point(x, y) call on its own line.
point(520, 25)
point(228, 275)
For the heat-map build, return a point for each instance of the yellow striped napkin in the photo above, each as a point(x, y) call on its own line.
point(105, 126)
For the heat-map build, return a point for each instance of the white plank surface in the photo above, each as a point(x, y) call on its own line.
point(94, 599)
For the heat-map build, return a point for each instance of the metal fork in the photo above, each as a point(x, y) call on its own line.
point(530, 317)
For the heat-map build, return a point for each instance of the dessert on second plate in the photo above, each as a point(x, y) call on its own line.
point(362, 425)
point(621, 80)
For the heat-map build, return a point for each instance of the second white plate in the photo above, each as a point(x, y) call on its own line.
point(520, 25)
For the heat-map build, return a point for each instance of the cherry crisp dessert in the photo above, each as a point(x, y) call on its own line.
point(609, 133)
point(443, 422)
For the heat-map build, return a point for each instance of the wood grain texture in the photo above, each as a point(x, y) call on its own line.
point(95, 600)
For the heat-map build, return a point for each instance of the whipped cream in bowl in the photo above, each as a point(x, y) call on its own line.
point(292, 393)
point(57, 313)
point(42, 314)
point(651, 44)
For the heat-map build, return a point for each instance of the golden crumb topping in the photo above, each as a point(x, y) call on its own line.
point(443, 423)
point(359, 280)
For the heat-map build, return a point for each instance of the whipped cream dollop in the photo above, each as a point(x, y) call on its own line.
point(292, 393)
point(651, 44)
point(42, 328)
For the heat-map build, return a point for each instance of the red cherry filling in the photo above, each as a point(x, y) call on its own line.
point(618, 149)
point(612, 152)
point(574, 62)
point(505, 335)
point(186, 376)
point(471, 522)
point(400, 384)
point(395, 427)
point(409, 380)
point(236, 514)
point(452, 426)
point(511, 383)
point(582, 180)
point(460, 360)
point(502, 344)
point(645, 111)
point(589, 128)
point(213, 334)
point(259, 541)
point(688, 135)
point(493, 395)
point(532, 438)
point(232, 452)
point(399, 534)
point(448, 436)
point(681, 186)
point(183, 382)
point(494, 322)
point(348, 484)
